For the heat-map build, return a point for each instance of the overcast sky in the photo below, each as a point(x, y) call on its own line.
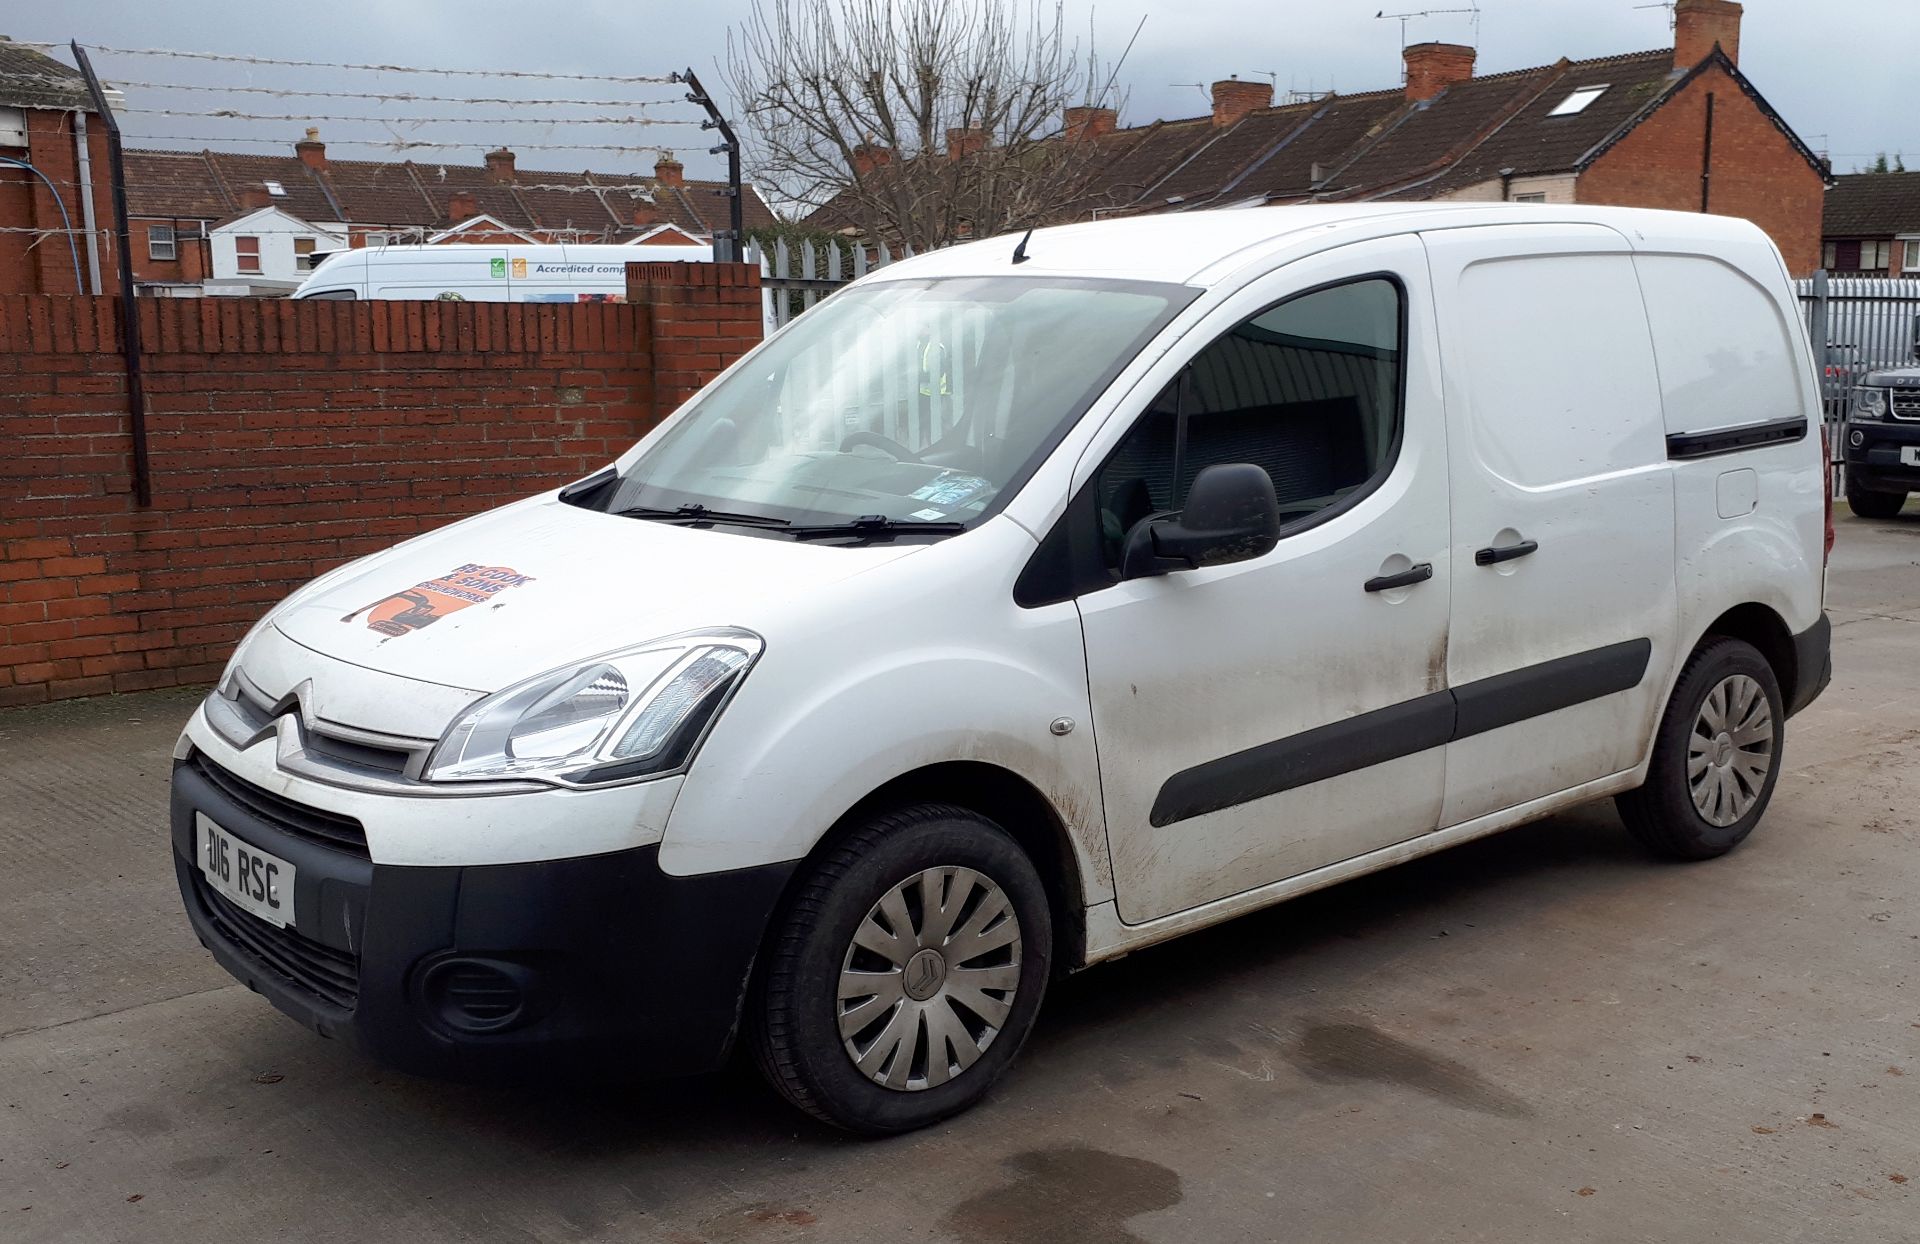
point(1833, 69)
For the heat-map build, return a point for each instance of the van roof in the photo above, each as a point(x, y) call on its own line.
point(1183, 247)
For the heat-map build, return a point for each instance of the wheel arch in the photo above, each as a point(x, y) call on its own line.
point(1010, 801)
point(1760, 626)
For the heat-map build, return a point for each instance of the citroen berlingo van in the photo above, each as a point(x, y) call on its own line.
point(1021, 605)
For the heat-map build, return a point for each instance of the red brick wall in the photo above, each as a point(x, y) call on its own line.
point(1757, 172)
point(25, 202)
point(288, 437)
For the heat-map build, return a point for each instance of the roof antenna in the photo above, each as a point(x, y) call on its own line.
point(1020, 251)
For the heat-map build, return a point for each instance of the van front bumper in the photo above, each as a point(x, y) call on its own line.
point(1875, 462)
point(598, 966)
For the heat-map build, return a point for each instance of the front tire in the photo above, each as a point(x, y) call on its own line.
point(1870, 504)
point(906, 972)
point(1716, 756)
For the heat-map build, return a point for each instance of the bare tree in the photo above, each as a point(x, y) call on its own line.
point(919, 121)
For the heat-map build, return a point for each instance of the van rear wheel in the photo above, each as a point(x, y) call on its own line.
point(906, 973)
point(1716, 756)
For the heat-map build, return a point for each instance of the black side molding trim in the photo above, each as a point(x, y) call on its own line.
point(1684, 445)
point(1415, 725)
point(1310, 756)
point(1489, 703)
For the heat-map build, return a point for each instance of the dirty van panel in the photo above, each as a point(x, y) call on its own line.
point(1262, 719)
point(1563, 606)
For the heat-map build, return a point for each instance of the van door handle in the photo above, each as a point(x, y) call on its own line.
point(1406, 578)
point(1504, 553)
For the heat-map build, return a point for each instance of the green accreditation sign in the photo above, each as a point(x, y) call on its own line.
point(499, 267)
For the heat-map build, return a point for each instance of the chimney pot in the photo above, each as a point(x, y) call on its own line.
point(312, 152)
point(1433, 67)
point(1090, 122)
point(669, 171)
point(1234, 99)
point(500, 165)
point(1699, 24)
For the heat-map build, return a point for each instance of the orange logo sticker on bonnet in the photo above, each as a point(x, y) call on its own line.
point(423, 604)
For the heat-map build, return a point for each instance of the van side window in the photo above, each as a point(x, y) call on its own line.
point(330, 293)
point(1725, 354)
point(1308, 389)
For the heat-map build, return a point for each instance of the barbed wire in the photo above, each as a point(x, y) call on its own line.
point(231, 114)
point(229, 58)
point(380, 96)
point(409, 144)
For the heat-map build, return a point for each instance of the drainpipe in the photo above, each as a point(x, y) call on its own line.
point(86, 202)
point(1706, 160)
point(1506, 185)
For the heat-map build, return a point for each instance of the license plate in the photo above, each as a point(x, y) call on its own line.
point(1910, 455)
point(254, 880)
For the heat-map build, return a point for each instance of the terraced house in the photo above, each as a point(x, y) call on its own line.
point(1679, 128)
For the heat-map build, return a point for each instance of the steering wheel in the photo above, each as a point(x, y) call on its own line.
point(885, 444)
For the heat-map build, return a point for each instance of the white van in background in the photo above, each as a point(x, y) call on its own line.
point(466, 272)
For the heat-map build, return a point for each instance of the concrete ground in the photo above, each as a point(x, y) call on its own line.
point(1541, 1036)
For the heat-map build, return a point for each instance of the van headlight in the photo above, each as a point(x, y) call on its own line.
point(1869, 403)
point(639, 712)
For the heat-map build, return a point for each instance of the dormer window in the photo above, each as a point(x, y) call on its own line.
point(1578, 101)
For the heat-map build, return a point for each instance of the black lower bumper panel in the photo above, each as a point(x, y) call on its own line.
point(589, 967)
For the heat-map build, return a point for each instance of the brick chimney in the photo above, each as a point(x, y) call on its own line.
point(500, 165)
point(870, 156)
point(1698, 25)
point(645, 214)
point(312, 152)
point(1433, 67)
point(962, 143)
point(462, 206)
point(1089, 122)
point(669, 171)
point(1233, 99)
point(254, 196)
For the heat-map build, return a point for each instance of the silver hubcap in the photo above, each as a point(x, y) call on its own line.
point(929, 979)
point(1730, 750)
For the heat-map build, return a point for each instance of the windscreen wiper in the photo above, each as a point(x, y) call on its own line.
point(874, 526)
point(695, 514)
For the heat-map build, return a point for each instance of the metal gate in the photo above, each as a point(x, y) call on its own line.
point(796, 278)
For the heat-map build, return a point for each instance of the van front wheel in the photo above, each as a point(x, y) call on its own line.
point(1716, 757)
point(906, 973)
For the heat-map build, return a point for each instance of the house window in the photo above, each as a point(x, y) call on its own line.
point(160, 242)
point(1830, 256)
point(275, 189)
point(1578, 101)
point(1533, 196)
point(1874, 256)
point(1910, 260)
point(246, 254)
point(303, 254)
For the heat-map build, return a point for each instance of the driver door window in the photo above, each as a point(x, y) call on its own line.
point(1308, 389)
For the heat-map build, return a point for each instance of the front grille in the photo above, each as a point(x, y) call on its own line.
point(331, 975)
point(327, 829)
point(1904, 403)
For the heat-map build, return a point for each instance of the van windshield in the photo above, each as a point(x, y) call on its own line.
point(896, 405)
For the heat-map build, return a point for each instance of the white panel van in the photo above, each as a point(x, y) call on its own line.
point(475, 272)
point(1018, 607)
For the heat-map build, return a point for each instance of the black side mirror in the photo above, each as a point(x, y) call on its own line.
point(1232, 515)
